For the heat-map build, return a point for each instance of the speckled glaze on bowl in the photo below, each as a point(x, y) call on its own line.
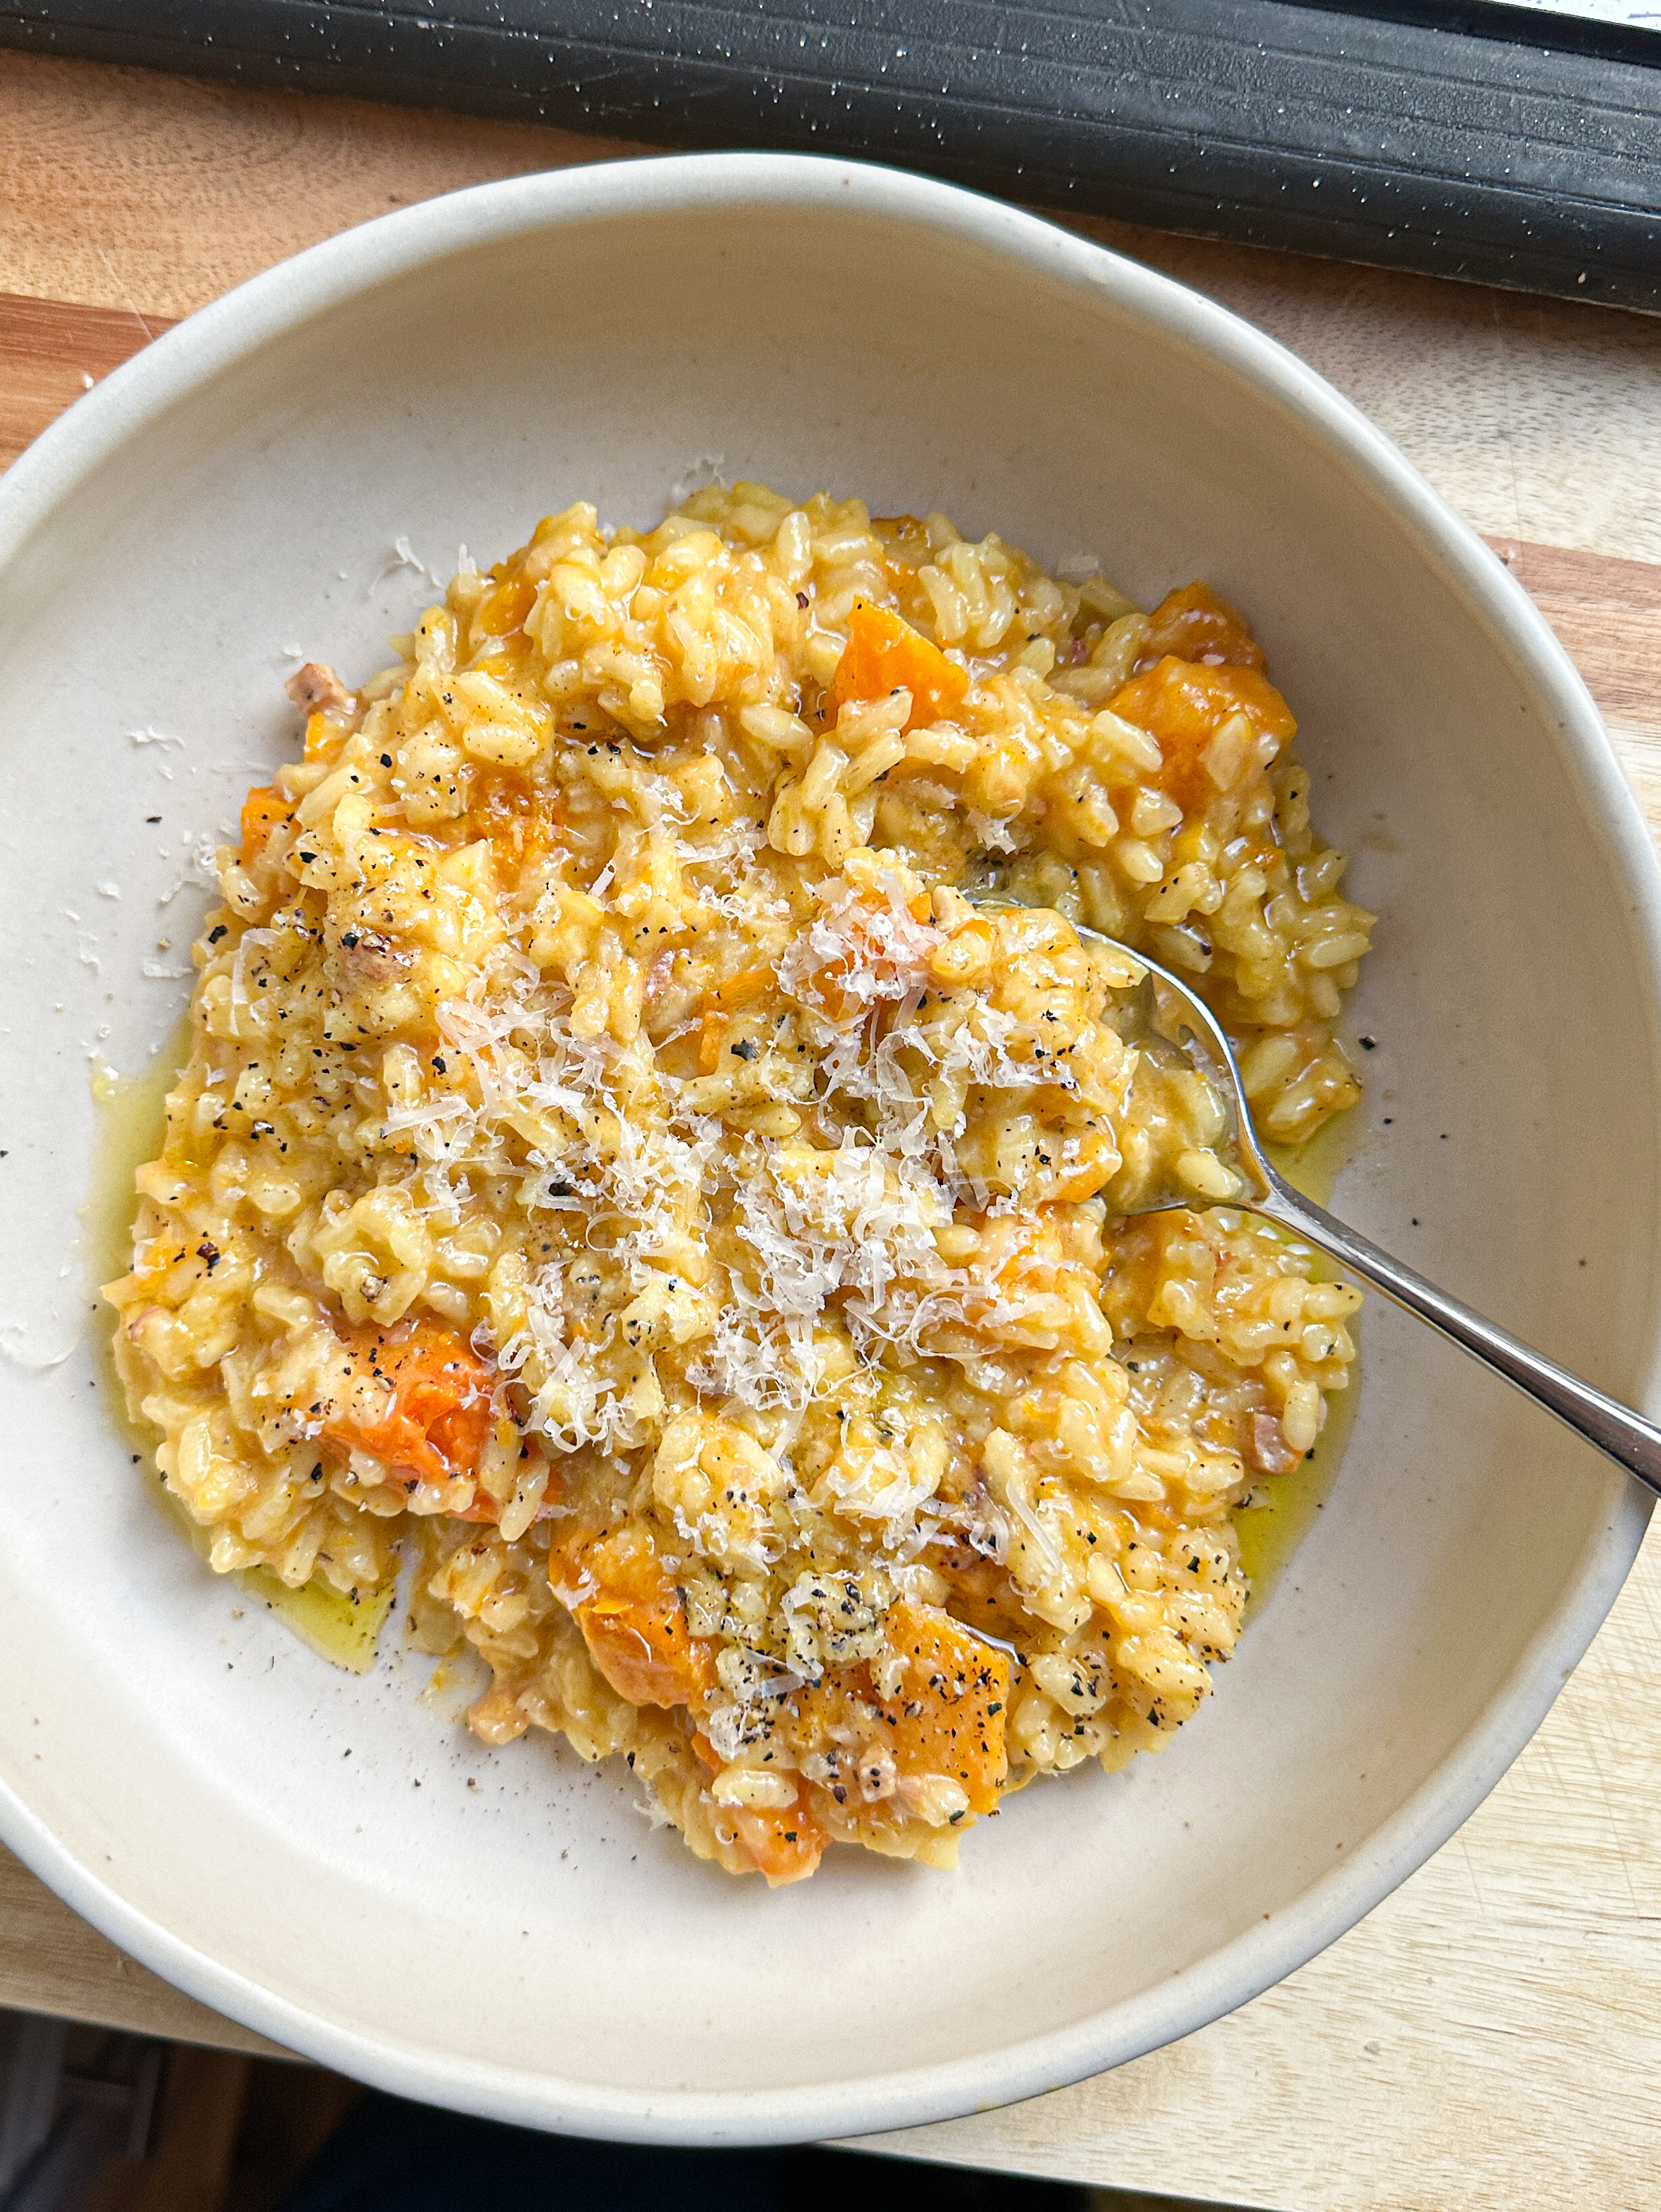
point(504, 1931)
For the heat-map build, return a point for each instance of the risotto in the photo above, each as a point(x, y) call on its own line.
point(620, 1171)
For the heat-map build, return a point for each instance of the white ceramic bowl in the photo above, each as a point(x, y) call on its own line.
point(176, 1765)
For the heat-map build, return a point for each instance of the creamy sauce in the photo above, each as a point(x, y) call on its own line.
point(1284, 1508)
point(1284, 1505)
point(132, 1120)
point(345, 1630)
point(131, 1113)
point(131, 1124)
point(1314, 1167)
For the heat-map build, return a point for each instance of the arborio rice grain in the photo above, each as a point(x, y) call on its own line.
point(617, 1164)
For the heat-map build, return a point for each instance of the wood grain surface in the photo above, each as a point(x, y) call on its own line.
point(1489, 2039)
point(52, 1961)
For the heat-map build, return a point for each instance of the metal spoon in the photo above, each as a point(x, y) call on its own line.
point(1171, 1009)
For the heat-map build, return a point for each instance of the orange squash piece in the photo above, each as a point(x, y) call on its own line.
point(784, 1847)
point(885, 653)
point(504, 609)
point(1185, 705)
point(323, 736)
point(523, 822)
point(716, 1023)
point(262, 809)
point(741, 990)
point(635, 1624)
point(645, 1650)
point(436, 1421)
point(949, 1715)
point(1195, 625)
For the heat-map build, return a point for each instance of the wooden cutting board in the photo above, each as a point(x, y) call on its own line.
point(1489, 2039)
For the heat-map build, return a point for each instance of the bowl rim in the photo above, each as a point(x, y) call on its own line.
point(237, 325)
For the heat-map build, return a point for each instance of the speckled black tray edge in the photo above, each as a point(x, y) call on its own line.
point(1492, 143)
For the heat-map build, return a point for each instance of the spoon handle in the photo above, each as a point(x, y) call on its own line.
point(1613, 1427)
